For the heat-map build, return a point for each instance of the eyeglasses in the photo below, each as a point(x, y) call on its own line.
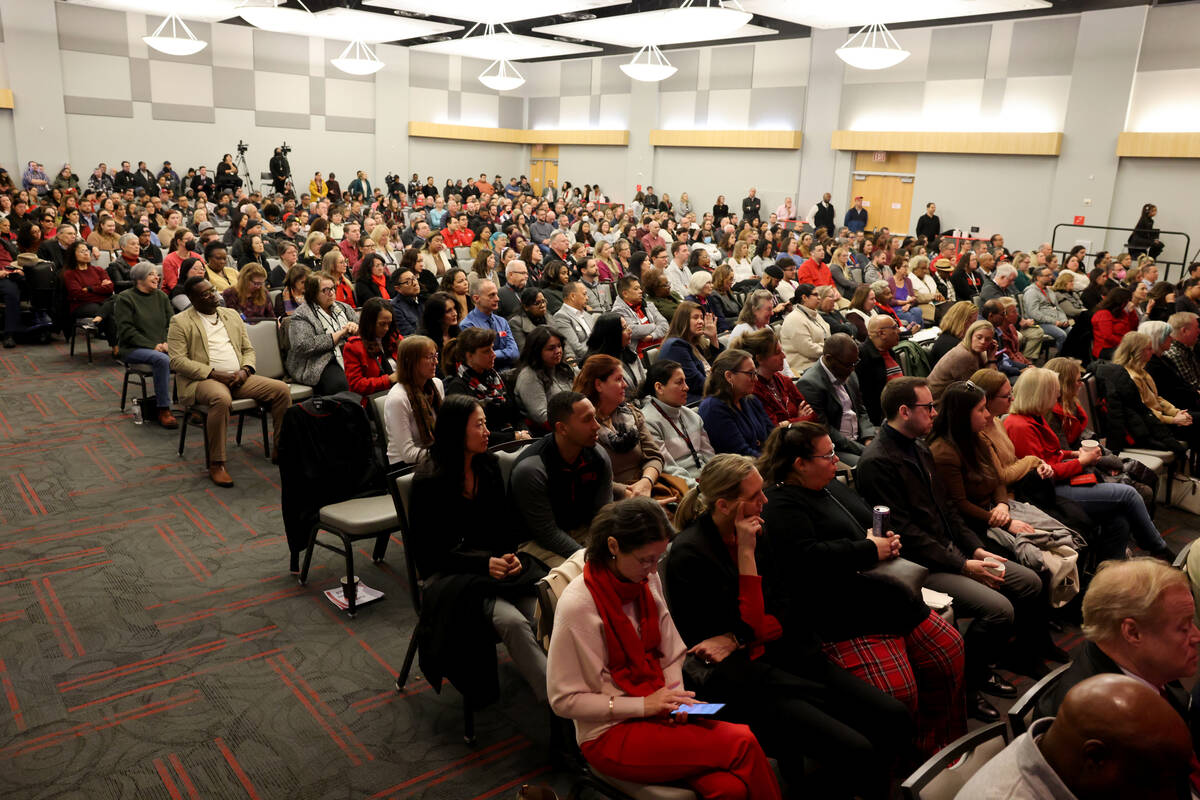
point(651, 562)
point(831, 456)
point(929, 406)
point(742, 371)
point(327, 290)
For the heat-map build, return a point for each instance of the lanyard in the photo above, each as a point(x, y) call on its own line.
point(683, 433)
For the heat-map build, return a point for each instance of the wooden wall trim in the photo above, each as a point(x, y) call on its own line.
point(6, 98)
point(1159, 145)
point(762, 140)
point(994, 143)
point(434, 130)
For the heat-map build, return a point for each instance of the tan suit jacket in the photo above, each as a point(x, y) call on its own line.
point(187, 344)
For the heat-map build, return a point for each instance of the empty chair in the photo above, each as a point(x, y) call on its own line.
point(1020, 716)
point(265, 338)
point(942, 776)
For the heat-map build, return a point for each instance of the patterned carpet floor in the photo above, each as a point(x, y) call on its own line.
point(153, 644)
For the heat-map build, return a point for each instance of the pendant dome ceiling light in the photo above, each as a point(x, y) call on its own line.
point(873, 47)
point(174, 44)
point(649, 65)
point(357, 59)
point(700, 20)
point(500, 75)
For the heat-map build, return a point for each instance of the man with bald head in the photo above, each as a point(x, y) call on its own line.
point(877, 364)
point(832, 389)
point(1138, 620)
point(1114, 737)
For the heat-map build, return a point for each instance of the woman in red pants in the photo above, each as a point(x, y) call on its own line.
point(615, 668)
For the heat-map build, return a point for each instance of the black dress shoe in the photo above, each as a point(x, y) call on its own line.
point(1052, 652)
point(998, 687)
point(980, 708)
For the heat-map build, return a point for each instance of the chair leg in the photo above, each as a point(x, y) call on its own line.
point(352, 600)
point(381, 543)
point(71, 341)
point(241, 421)
point(312, 543)
point(468, 723)
point(183, 426)
point(124, 390)
point(409, 655)
point(204, 433)
point(262, 417)
point(89, 346)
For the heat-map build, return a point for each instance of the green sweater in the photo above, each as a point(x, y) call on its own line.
point(142, 319)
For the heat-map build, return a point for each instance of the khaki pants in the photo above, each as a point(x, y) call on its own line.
point(218, 397)
point(549, 557)
point(1031, 340)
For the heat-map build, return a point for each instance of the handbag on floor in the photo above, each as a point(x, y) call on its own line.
point(1185, 493)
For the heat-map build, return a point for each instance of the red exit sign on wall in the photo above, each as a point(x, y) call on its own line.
point(879, 155)
point(1079, 221)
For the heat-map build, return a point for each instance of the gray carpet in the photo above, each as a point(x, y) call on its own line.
point(153, 644)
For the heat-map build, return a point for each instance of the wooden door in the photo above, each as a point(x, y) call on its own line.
point(887, 199)
point(550, 172)
point(536, 175)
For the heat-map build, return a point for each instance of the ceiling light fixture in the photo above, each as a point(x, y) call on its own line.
point(698, 20)
point(505, 79)
point(266, 14)
point(357, 59)
point(873, 47)
point(173, 44)
point(654, 67)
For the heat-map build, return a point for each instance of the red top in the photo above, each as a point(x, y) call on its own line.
point(380, 282)
point(459, 238)
point(753, 613)
point(1031, 436)
point(1073, 424)
point(780, 398)
point(345, 293)
point(172, 263)
point(815, 272)
point(364, 373)
point(352, 254)
point(91, 285)
point(1108, 328)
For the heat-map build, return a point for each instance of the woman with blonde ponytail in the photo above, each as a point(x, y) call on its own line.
point(796, 701)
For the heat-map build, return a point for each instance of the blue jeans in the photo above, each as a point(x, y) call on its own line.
point(161, 363)
point(1059, 335)
point(912, 315)
point(1103, 499)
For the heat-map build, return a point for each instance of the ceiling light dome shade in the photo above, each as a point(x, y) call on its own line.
point(501, 75)
point(176, 41)
point(873, 47)
point(649, 65)
point(714, 19)
point(267, 14)
point(357, 59)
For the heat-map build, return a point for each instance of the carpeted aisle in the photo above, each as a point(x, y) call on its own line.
point(153, 645)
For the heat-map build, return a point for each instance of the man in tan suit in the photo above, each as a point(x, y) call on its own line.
point(213, 361)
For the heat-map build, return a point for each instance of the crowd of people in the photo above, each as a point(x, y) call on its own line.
point(691, 378)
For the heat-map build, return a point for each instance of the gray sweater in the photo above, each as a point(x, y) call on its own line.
point(309, 346)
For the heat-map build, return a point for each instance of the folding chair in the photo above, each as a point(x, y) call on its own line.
point(941, 777)
point(264, 336)
point(1020, 715)
point(88, 333)
point(133, 372)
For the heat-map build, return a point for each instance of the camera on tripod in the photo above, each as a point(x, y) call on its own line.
point(242, 147)
point(284, 149)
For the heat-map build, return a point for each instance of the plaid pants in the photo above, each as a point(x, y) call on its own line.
point(923, 670)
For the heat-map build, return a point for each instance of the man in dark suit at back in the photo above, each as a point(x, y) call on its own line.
point(1137, 620)
point(751, 205)
point(831, 388)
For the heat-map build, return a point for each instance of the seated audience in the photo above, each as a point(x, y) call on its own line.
point(619, 673)
point(469, 364)
point(828, 310)
point(248, 297)
point(335, 265)
point(977, 349)
point(1113, 736)
point(692, 342)
point(484, 315)
point(701, 288)
point(292, 296)
point(1176, 372)
point(181, 248)
point(1002, 597)
point(482, 584)
point(755, 314)
point(1034, 396)
point(723, 294)
point(1111, 320)
point(89, 290)
point(217, 269)
point(142, 317)
point(804, 330)
point(530, 317)
point(863, 306)
point(612, 335)
point(542, 373)
point(407, 305)
point(573, 323)
point(732, 414)
point(412, 404)
point(1137, 415)
point(1069, 300)
point(562, 480)
point(455, 284)
point(370, 356)
point(685, 446)
point(372, 279)
point(213, 361)
point(832, 390)
point(647, 325)
point(877, 364)
point(957, 319)
point(818, 533)
point(317, 332)
point(778, 394)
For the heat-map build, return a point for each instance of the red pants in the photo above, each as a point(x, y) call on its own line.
point(923, 670)
point(718, 760)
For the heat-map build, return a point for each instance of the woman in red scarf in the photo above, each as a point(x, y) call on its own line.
point(615, 668)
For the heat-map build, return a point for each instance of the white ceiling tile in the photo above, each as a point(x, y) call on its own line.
point(497, 11)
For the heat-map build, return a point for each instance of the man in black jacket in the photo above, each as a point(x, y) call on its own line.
point(125, 179)
point(406, 303)
point(280, 170)
point(832, 389)
point(1137, 618)
point(877, 364)
point(751, 205)
point(928, 224)
point(1003, 597)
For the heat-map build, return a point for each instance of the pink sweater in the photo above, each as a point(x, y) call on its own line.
point(577, 678)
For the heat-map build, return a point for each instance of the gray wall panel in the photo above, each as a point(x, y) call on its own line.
point(543, 112)
point(91, 30)
point(780, 108)
point(428, 70)
point(992, 101)
point(612, 80)
point(176, 112)
point(139, 79)
point(732, 67)
point(864, 97)
point(280, 119)
point(687, 79)
point(959, 53)
point(98, 107)
point(701, 108)
point(280, 52)
point(512, 112)
point(454, 106)
point(1043, 47)
point(316, 95)
point(576, 78)
point(1170, 38)
point(350, 125)
point(233, 88)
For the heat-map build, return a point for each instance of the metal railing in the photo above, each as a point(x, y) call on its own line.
point(1164, 265)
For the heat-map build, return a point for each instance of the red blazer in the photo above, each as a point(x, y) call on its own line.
point(1108, 328)
point(1073, 424)
point(1033, 437)
point(363, 373)
point(815, 272)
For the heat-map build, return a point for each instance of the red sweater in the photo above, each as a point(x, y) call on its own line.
point(363, 372)
point(91, 285)
point(1108, 328)
point(1031, 436)
point(815, 272)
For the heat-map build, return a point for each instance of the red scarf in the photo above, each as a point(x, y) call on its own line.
point(632, 659)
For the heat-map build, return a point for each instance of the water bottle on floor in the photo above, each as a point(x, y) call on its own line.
point(137, 411)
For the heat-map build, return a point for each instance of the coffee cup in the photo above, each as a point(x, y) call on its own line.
point(996, 568)
point(1089, 444)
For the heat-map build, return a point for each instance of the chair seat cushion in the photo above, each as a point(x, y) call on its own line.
point(144, 369)
point(237, 406)
point(640, 791)
point(362, 516)
point(300, 392)
point(1148, 457)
